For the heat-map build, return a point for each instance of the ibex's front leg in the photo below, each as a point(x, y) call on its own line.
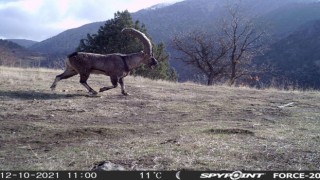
point(123, 89)
point(65, 75)
point(83, 81)
point(114, 81)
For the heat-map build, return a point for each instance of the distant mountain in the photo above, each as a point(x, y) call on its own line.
point(163, 23)
point(161, 20)
point(194, 14)
point(280, 17)
point(12, 54)
point(23, 42)
point(297, 57)
point(286, 19)
point(67, 41)
point(157, 6)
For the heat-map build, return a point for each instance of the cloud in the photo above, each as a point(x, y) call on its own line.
point(41, 19)
point(33, 19)
point(15, 22)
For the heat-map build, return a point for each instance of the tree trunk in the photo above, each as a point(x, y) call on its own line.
point(210, 82)
point(210, 79)
point(233, 73)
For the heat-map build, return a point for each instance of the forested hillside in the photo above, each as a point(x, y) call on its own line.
point(23, 42)
point(12, 54)
point(296, 58)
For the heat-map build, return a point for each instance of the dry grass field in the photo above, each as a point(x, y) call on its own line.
point(160, 126)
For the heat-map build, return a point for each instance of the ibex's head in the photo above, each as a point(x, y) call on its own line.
point(148, 60)
point(152, 62)
point(148, 54)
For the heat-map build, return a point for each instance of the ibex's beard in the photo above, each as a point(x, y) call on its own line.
point(153, 63)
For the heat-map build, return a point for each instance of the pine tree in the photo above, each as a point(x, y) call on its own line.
point(109, 39)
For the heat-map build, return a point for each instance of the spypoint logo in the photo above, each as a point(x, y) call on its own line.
point(233, 176)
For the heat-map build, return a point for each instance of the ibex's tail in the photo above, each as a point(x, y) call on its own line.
point(142, 37)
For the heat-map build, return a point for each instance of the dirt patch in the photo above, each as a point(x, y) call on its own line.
point(87, 132)
point(230, 131)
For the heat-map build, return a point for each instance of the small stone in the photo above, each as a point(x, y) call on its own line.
point(108, 166)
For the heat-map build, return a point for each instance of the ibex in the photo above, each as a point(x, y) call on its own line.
point(116, 65)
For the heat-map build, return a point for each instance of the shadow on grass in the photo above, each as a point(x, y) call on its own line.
point(31, 95)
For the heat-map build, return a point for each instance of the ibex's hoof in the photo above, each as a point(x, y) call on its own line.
point(93, 93)
point(125, 93)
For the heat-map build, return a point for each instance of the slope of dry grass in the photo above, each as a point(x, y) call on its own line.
point(160, 126)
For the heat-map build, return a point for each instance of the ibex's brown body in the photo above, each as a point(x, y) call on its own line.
point(116, 65)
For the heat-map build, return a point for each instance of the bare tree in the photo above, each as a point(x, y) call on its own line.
point(203, 51)
point(244, 42)
point(226, 53)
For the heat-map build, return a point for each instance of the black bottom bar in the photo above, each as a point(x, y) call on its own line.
point(156, 175)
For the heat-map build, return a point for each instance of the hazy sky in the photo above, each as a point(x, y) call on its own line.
point(40, 19)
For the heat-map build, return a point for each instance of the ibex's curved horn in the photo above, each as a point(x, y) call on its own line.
point(142, 37)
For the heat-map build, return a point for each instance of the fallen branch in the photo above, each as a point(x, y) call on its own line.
point(286, 105)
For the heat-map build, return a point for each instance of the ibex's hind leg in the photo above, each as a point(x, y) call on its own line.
point(65, 75)
point(83, 81)
point(123, 89)
point(114, 81)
